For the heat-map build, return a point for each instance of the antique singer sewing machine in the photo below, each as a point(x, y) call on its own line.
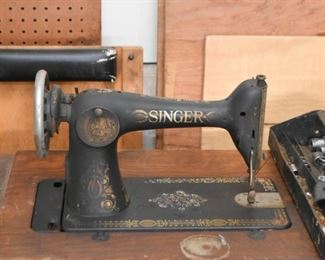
point(92, 197)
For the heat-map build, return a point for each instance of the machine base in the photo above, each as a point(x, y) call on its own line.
point(170, 204)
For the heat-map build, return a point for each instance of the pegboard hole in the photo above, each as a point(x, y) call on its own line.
point(44, 23)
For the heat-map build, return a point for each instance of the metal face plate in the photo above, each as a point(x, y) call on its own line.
point(48, 205)
point(98, 127)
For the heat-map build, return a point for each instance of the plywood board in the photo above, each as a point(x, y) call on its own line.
point(294, 67)
point(48, 22)
point(16, 99)
point(186, 23)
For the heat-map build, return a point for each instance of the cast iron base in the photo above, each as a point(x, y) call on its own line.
point(165, 204)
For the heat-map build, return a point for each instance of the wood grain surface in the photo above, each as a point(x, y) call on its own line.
point(16, 98)
point(294, 67)
point(17, 240)
point(186, 23)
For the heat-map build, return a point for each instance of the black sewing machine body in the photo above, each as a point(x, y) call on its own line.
point(93, 193)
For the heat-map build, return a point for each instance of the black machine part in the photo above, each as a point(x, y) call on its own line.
point(97, 118)
point(292, 145)
point(62, 64)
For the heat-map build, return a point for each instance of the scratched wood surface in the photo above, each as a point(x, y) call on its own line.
point(17, 240)
point(186, 23)
point(294, 67)
point(16, 99)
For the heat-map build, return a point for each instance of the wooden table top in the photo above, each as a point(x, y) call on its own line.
point(17, 240)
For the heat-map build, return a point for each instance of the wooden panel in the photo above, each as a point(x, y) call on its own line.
point(132, 81)
point(17, 240)
point(294, 66)
point(187, 22)
point(217, 138)
point(16, 98)
point(5, 170)
point(48, 22)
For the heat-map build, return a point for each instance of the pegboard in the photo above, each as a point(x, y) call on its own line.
point(49, 22)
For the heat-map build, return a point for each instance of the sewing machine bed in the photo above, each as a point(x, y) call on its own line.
point(18, 240)
point(211, 203)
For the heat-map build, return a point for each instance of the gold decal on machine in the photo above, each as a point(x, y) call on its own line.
point(168, 116)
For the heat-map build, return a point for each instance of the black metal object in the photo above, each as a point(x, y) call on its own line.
point(166, 204)
point(97, 118)
point(49, 196)
point(63, 64)
point(289, 143)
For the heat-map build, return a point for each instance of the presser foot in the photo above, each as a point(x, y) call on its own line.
point(169, 204)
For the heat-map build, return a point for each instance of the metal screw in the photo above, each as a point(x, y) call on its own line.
point(107, 204)
point(321, 178)
point(308, 194)
point(98, 112)
point(131, 57)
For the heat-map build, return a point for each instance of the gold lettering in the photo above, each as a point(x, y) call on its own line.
point(198, 116)
point(168, 116)
point(177, 116)
point(178, 119)
point(188, 116)
point(160, 116)
point(153, 116)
